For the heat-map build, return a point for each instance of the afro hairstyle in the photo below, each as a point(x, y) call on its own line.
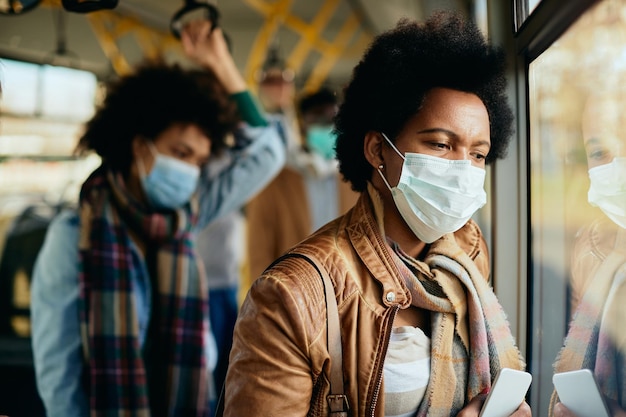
point(149, 101)
point(390, 82)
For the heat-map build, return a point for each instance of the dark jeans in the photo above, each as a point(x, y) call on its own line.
point(223, 310)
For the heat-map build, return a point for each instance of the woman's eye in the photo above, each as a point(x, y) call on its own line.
point(597, 154)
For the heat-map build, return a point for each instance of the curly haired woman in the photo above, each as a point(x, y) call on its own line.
point(119, 300)
point(422, 333)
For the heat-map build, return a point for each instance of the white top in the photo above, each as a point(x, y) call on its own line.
point(406, 371)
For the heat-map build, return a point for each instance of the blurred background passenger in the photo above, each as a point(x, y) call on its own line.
point(306, 194)
point(221, 246)
point(119, 299)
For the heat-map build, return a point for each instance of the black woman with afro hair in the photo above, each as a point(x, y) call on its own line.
point(421, 330)
point(119, 298)
point(392, 80)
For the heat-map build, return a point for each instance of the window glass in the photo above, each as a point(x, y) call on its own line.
point(481, 16)
point(523, 9)
point(578, 201)
point(67, 93)
point(41, 115)
point(532, 4)
point(20, 82)
point(47, 91)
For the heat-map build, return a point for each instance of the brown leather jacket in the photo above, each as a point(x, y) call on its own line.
point(592, 245)
point(279, 363)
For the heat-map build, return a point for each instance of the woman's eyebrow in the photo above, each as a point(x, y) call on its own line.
point(437, 130)
point(483, 142)
point(451, 134)
point(183, 146)
point(593, 141)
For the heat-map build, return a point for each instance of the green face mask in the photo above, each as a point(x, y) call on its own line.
point(321, 139)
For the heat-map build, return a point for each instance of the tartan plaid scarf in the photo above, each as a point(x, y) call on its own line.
point(596, 339)
point(471, 340)
point(117, 376)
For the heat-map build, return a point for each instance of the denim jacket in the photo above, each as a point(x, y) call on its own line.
point(56, 336)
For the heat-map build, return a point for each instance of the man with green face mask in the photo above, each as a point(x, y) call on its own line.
point(316, 120)
point(307, 193)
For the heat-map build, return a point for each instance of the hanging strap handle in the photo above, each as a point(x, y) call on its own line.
point(337, 400)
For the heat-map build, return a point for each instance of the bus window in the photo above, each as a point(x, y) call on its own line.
point(577, 96)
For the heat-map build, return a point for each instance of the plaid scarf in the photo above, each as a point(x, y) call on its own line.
point(471, 340)
point(595, 339)
point(119, 380)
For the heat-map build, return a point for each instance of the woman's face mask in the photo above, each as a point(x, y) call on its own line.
point(170, 183)
point(608, 190)
point(436, 196)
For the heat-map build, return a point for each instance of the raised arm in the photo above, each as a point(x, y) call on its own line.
point(259, 153)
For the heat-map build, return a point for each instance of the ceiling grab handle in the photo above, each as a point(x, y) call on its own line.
point(88, 6)
point(194, 9)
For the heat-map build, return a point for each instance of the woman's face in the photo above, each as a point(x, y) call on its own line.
point(450, 124)
point(603, 124)
point(186, 143)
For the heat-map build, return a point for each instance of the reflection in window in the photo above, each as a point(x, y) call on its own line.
point(578, 203)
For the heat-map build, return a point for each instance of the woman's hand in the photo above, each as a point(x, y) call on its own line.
point(561, 411)
point(616, 411)
point(473, 408)
point(209, 48)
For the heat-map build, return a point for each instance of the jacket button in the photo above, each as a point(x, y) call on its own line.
point(391, 296)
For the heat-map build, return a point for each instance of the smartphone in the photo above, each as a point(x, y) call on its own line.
point(579, 392)
point(507, 393)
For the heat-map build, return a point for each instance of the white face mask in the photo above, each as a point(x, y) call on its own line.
point(436, 196)
point(608, 190)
